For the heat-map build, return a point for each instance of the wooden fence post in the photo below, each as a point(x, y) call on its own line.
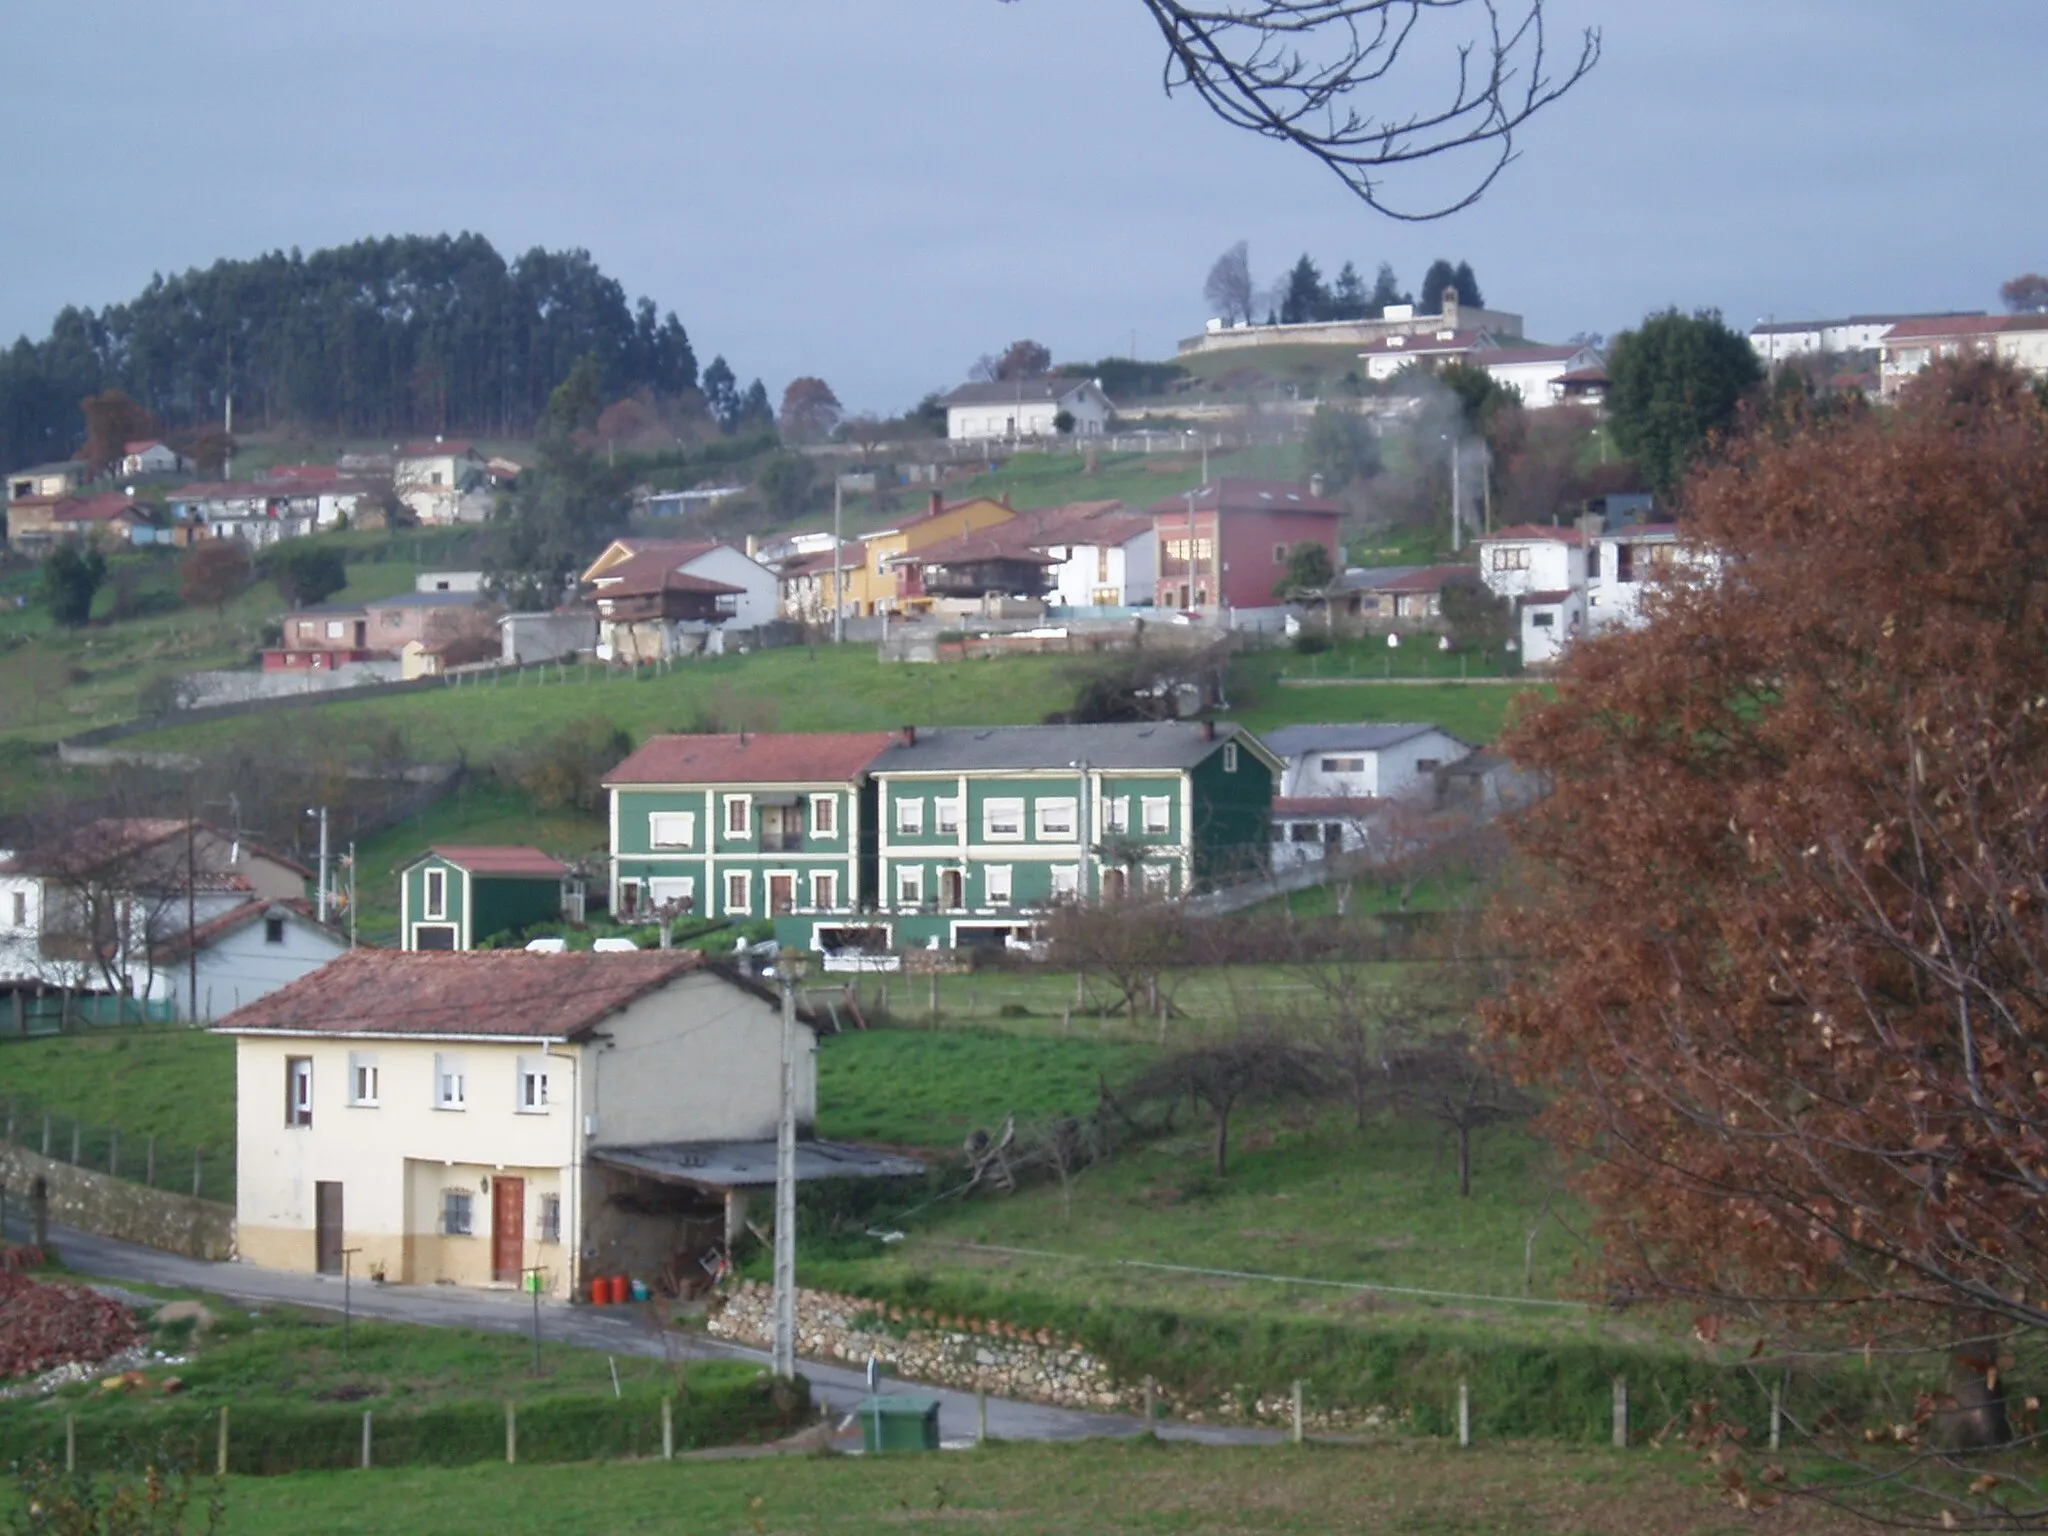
point(1150, 1406)
point(980, 1414)
point(114, 1153)
point(668, 1429)
point(1621, 1413)
point(1464, 1415)
point(511, 1434)
point(70, 1442)
point(149, 1162)
point(1297, 1411)
point(76, 1128)
point(366, 1440)
point(195, 1173)
point(220, 1455)
point(1777, 1413)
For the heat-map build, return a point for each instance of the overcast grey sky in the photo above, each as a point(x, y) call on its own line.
point(877, 191)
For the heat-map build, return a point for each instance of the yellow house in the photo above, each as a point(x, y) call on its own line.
point(488, 1117)
point(875, 588)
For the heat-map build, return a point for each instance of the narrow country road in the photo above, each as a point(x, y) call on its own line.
point(618, 1331)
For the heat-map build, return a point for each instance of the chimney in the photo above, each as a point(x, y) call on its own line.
point(1208, 730)
point(753, 545)
point(1315, 485)
point(909, 735)
point(938, 503)
point(1450, 309)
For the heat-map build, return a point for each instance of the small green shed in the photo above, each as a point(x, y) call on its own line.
point(451, 898)
point(898, 1424)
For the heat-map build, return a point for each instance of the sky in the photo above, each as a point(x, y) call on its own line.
point(877, 192)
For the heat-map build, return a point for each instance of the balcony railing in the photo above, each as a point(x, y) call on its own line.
point(782, 842)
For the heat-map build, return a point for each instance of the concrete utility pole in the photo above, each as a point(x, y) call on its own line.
point(320, 899)
point(838, 576)
point(1457, 511)
point(785, 1180)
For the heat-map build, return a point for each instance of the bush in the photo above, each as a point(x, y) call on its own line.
point(1311, 642)
point(305, 574)
point(566, 771)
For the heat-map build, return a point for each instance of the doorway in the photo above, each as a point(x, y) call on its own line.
point(952, 889)
point(508, 1228)
point(781, 895)
point(327, 1239)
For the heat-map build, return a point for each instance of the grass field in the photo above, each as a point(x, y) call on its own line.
point(177, 1084)
point(1410, 1488)
point(1033, 480)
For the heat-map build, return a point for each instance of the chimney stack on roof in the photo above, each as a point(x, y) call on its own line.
point(909, 735)
point(1315, 485)
point(1451, 308)
point(938, 503)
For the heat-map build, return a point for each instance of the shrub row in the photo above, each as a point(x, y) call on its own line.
point(1558, 1389)
point(266, 1438)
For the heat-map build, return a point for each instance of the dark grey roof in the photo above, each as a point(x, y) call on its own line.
point(1366, 577)
point(1051, 386)
point(1295, 740)
point(1164, 744)
point(751, 1164)
point(428, 600)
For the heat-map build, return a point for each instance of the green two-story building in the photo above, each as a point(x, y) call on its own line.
point(455, 898)
point(981, 831)
point(746, 826)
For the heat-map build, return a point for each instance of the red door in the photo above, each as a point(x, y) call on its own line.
point(781, 894)
point(508, 1228)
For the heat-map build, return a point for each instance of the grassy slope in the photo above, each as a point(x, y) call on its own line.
point(1416, 1488)
point(177, 1084)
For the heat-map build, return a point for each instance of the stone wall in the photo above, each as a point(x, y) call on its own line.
point(995, 1356)
point(109, 1207)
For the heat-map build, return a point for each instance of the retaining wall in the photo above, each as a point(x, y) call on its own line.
point(109, 1207)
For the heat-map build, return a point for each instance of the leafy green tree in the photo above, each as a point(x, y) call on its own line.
point(1025, 359)
point(1441, 275)
point(564, 512)
point(722, 394)
point(1341, 448)
point(1347, 295)
point(1481, 397)
point(786, 482)
point(305, 573)
point(756, 414)
point(1309, 573)
point(578, 401)
point(1673, 384)
point(71, 576)
point(1304, 297)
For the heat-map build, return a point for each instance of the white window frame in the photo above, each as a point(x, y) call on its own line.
point(910, 885)
point(947, 817)
point(744, 806)
point(1161, 823)
point(999, 885)
point(1066, 882)
point(434, 893)
point(448, 1227)
point(21, 909)
point(1230, 757)
point(451, 1085)
point(298, 1093)
point(362, 1079)
point(548, 1218)
point(1116, 813)
point(824, 889)
point(745, 886)
point(1158, 879)
point(530, 1086)
point(1047, 825)
point(678, 888)
point(671, 829)
point(910, 816)
point(631, 898)
point(824, 816)
point(1002, 808)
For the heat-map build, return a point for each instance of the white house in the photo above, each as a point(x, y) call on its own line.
point(1107, 558)
point(147, 456)
point(1913, 345)
point(1388, 355)
point(102, 906)
point(1536, 373)
point(482, 1118)
point(759, 593)
point(1342, 783)
point(1010, 409)
point(1528, 558)
point(1550, 621)
point(442, 481)
point(241, 955)
point(1619, 564)
point(258, 512)
point(1777, 341)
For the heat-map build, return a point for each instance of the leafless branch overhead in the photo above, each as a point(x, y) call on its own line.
point(1302, 71)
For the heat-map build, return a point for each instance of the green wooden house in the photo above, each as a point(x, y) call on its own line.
point(455, 898)
point(746, 827)
point(981, 831)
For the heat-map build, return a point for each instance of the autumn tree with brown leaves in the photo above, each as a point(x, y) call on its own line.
point(112, 422)
point(1786, 943)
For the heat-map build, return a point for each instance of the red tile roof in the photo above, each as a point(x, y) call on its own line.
point(997, 543)
point(103, 508)
point(1532, 533)
point(504, 994)
point(1431, 578)
point(512, 860)
point(653, 571)
point(142, 445)
point(822, 758)
point(1950, 325)
point(1596, 374)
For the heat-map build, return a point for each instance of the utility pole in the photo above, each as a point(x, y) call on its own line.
point(351, 893)
point(785, 1180)
point(1457, 511)
point(191, 916)
point(838, 578)
point(320, 898)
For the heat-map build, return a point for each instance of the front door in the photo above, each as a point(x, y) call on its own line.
point(952, 889)
point(781, 894)
point(327, 1242)
point(508, 1228)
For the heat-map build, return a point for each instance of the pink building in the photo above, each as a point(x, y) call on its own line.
point(1233, 538)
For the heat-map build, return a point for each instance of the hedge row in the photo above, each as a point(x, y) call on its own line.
point(266, 1438)
point(1557, 1389)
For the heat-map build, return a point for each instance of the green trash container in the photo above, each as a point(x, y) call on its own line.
point(899, 1424)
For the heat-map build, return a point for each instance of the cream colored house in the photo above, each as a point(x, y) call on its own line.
point(474, 1118)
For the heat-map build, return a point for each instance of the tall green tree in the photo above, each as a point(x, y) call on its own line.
point(1468, 287)
point(564, 512)
point(1303, 298)
point(1673, 384)
point(1341, 448)
point(71, 576)
point(722, 394)
point(1386, 289)
point(1347, 294)
point(1441, 275)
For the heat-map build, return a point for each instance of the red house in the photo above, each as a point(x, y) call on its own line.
point(1260, 522)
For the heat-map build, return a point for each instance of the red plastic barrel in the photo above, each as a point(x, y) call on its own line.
point(622, 1290)
point(600, 1290)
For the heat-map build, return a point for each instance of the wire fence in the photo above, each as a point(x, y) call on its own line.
point(28, 1018)
point(157, 1162)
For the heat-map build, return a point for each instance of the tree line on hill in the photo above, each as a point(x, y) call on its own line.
point(1302, 295)
point(414, 334)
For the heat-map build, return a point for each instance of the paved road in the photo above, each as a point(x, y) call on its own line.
point(621, 1331)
